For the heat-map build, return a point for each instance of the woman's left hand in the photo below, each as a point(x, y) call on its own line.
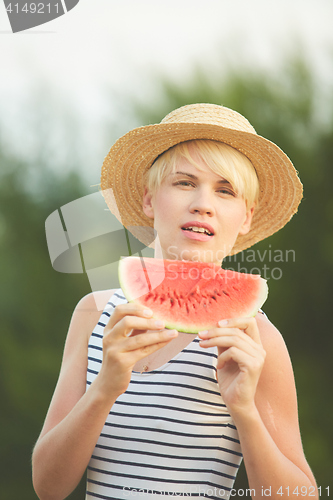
point(241, 357)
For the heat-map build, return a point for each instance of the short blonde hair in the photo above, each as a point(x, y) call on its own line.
point(221, 158)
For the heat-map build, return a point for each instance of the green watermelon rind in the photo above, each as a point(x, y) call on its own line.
point(176, 325)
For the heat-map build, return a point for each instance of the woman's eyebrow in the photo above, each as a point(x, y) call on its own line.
point(192, 176)
point(187, 174)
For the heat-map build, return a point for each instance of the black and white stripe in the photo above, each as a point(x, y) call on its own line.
point(169, 434)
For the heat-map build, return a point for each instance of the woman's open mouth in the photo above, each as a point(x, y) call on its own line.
point(198, 231)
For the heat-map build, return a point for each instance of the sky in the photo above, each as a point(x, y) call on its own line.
point(121, 44)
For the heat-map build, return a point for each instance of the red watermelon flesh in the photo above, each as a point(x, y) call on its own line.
point(191, 296)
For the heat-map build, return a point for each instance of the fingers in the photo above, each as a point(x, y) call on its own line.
point(129, 317)
point(128, 309)
point(131, 328)
point(130, 335)
point(125, 326)
point(147, 341)
point(123, 353)
point(247, 325)
point(237, 339)
point(252, 361)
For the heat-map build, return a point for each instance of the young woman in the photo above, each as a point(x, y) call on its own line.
point(153, 412)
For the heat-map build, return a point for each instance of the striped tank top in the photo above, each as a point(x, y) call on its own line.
point(169, 434)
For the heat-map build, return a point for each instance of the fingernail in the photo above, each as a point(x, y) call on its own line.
point(223, 322)
point(204, 332)
point(172, 333)
point(159, 323)
point(147, 312)
point(202, 343)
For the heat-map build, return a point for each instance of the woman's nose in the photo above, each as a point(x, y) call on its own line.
point(202, 203)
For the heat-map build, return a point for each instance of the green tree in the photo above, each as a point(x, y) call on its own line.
point(35, 309)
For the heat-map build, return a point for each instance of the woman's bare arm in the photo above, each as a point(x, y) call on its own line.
point(271, 440)
point(76, 417)
point(256, 381)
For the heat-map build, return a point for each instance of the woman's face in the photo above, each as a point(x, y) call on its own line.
point(196, 213)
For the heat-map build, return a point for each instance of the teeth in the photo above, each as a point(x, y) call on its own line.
point(198, 229)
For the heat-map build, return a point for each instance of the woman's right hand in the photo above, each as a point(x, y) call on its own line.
point(130, 335)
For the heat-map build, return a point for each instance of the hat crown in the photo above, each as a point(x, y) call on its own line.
point(211, 114)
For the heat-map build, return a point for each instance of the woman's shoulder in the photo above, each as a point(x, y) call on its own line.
point(94, 302)
point(278, 367)
point(88, 311)
point(269, 334)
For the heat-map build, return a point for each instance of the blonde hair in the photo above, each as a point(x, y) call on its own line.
point(221, 158)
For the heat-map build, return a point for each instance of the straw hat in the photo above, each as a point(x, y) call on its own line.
point(134, 153)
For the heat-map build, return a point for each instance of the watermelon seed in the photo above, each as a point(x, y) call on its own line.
point(225, 293)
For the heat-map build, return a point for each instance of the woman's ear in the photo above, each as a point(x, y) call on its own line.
point(247, 222)
point(147, 204)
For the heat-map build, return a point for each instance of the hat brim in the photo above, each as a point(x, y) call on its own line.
point(133, 154)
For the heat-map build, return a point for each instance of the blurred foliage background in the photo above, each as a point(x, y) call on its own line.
point(288, 107)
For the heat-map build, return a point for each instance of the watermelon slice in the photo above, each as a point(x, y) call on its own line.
point(190, 296)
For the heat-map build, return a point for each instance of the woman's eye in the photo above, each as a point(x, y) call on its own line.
point(184, 183)
point(227, 191)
